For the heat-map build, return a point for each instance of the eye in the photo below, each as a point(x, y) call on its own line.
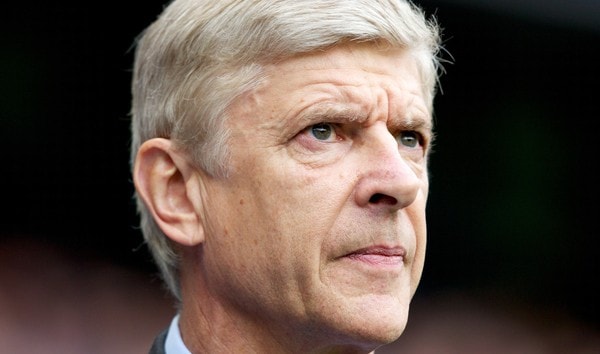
point(322, 131)
point(409, 139)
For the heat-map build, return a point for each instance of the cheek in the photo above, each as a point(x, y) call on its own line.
point(417, 217)
point(280, 210)
point(267, 212)
point(299, 192)
point(268, 241)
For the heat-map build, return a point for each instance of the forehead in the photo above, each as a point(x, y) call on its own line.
point(360, 80)
point(344, 64)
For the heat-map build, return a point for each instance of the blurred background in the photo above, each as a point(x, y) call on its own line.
point(512, 264)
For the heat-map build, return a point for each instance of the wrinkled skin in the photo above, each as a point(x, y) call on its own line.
point(315, 242)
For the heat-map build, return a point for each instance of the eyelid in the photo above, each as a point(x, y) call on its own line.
point(398, 132)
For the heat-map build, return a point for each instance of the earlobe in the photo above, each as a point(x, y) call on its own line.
point(162, 178)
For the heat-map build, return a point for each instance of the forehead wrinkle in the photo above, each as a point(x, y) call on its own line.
point(385, 97)
point(318, 100)
point(397, 107)
point(336, 92)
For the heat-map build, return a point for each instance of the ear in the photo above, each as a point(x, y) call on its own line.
point(164, 180)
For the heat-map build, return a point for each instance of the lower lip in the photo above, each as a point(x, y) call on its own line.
point(377, 259)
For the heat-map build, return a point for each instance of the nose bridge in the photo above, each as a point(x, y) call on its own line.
point(387, 178)
point(382, 140)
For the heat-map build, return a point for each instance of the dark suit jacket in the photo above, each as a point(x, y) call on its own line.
point(158, 347)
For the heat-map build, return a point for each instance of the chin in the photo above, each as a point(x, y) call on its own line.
point(383, 319)
point(356, 331)
point(375, 329)
point(385, 333)
point(365, 318)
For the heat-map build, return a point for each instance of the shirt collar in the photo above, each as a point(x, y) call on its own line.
point(174, 343)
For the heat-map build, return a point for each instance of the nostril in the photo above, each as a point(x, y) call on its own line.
point(379, 198)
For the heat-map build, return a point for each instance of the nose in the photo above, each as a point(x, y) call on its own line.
point(386, 179)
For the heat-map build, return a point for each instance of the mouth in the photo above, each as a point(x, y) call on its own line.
point(379, 255)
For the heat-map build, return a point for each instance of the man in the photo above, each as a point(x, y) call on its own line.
point(280, 163)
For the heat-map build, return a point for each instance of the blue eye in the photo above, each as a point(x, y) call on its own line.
point(322, 131)
point(409, 139)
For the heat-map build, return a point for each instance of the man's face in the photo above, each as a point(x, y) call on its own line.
point(320, 228)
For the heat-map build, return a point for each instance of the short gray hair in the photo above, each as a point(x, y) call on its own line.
point(199, 55)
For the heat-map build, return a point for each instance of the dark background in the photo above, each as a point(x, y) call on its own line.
point(513, 208)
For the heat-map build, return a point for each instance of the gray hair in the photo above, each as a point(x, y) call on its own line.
point(199, 55)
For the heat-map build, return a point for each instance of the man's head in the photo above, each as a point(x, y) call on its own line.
point(280, 161)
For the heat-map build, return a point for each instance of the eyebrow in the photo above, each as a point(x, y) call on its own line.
point(332, 113)
point(412, 122)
